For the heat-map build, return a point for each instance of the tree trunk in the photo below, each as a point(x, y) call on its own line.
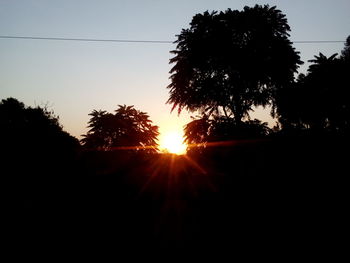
point(237, 113)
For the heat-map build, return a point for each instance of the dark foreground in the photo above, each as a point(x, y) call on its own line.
point(276, 198)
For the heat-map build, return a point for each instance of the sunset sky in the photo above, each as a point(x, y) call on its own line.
point(74, 78)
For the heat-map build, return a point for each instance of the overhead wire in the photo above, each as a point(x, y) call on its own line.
point(138, 41)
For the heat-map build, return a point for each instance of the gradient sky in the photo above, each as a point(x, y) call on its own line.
point(74, 78)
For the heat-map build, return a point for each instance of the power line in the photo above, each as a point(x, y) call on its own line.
point(140, 41)
point(87, 39)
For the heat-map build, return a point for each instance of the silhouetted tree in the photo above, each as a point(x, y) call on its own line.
point(38, 158)
point(319, 101)
point(346, 51)
point(128, 127)
point(27, 129)
point(227, 62)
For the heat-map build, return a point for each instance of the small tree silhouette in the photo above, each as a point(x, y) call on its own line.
point(32, 129)
point(128, 127)
point(346, 51)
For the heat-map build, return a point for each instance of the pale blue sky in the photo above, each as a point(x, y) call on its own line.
point(74, 78)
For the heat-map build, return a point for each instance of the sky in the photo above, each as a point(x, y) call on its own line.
point(74, 78)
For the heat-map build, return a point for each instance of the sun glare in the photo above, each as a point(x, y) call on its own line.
point(173, 142)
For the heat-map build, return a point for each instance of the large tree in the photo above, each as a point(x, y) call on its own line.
point(228, 62)
point(128, 128)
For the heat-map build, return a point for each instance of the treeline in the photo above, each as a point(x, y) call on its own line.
point(262, 193)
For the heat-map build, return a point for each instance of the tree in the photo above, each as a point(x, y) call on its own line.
point(227, 62)
point(128, 127)
point(38, 158)
point(346, 51)
point(319, 100)
point(32, 129)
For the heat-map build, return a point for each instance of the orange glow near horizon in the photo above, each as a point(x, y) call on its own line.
point(172, 142)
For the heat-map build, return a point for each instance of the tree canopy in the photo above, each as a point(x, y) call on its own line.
point(34, 146)
point(346, 51)
point(127, 127)
point(319, 100)
point(227, 62)
point(31, 129)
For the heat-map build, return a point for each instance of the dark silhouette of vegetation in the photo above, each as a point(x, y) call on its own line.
point(227, 62)
point(26, 129)
point(128, 127)
point(346, 51)
point(320, 100)
point(39, 163)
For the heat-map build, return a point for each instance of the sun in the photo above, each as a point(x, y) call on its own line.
point(173, 142)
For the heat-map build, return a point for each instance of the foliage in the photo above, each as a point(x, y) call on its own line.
point(31, 129)
point(319, 101)
point(38, 158)
point(128, 127)
point(346, 51)
point(227, 62)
